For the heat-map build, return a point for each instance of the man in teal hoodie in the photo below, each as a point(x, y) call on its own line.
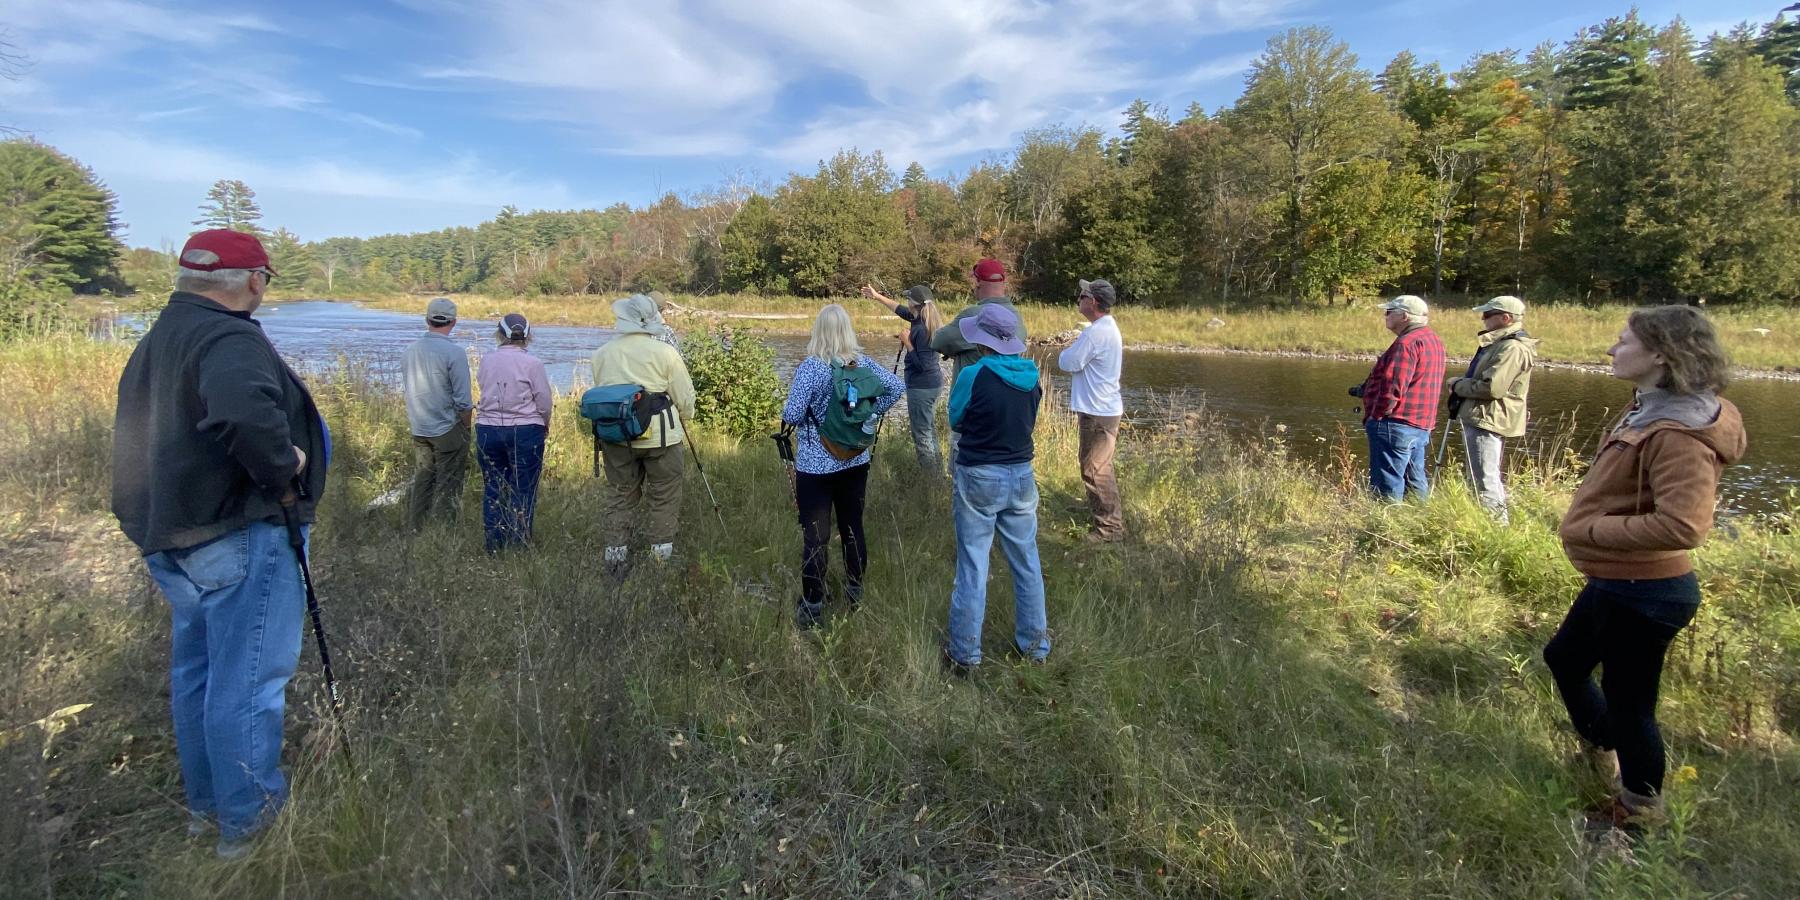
point(993, 409)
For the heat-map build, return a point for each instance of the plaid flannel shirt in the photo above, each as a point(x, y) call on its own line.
point(1407, 380)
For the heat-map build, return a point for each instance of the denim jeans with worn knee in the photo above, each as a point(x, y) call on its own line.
point(1483, 450)
point(999, 499)
point(236, 604)
point(1397, 459)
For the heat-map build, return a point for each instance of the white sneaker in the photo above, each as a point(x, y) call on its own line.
point(662, 552)
point(617, 554)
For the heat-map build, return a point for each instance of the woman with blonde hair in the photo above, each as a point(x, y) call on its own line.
point(924, 371)
point(511, 421)
point(831, 390)
point(1646, 501)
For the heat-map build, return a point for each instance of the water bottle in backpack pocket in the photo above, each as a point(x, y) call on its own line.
point(848, 428)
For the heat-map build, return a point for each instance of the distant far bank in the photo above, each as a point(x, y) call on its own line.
point(1764, 341)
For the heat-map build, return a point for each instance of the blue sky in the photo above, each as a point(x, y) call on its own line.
point(363, 118)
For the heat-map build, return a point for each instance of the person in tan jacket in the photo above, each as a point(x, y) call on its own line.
point(1647, 500)
point(1489, 400)
point(645, 477)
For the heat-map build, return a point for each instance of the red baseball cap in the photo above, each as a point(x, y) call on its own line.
point(222, 248)
point(990, 270)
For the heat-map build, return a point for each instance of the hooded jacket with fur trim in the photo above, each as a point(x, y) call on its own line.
point(1648, 499)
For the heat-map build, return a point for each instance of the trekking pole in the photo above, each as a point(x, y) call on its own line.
point(297, 540)
point(703, 479)
point(1450, 409)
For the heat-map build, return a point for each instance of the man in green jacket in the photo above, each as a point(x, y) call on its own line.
point(1490, 399)
point(990, 288)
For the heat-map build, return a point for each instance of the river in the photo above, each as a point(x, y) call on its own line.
point(1301, 401)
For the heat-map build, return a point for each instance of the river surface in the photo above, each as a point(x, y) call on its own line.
point(1301, 401)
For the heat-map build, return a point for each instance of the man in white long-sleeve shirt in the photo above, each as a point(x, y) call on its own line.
point(1093, 364)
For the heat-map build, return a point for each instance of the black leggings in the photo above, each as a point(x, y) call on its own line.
point(1605, 629)
point(818, 496)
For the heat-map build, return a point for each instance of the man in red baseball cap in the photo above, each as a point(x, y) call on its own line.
point(216, 444)
point(989, 276)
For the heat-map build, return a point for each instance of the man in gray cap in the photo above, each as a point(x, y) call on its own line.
point(435, 378)
point(1093, 363)
point(1489, 400)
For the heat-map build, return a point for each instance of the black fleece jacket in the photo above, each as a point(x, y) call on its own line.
point(204, 435)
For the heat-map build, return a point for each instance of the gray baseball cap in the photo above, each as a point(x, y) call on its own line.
point(1505, 303)
point(1100, 289)
point(440, 311)
point(1409, 304)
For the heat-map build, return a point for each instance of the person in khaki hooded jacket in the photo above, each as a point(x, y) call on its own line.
point(1647, 500)
point(1489, 400)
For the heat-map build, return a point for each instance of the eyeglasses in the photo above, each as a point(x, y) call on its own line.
point(267, 274)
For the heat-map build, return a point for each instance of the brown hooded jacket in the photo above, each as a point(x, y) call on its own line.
point(1649, 497)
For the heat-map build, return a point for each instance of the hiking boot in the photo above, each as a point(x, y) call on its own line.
point(956, 666)
point(1627, 812)
point(807, 615)
point(853, 594)
point(1605, 765)
point(1101, 537)
point(1027, 657)
point(662, 552)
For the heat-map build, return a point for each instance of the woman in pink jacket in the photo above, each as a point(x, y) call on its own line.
point(511, 421)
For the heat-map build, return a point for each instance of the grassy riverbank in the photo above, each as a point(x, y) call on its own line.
point(1276, 688)
point(1571, 333)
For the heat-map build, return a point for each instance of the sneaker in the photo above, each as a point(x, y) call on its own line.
point(662, 552)
point(1097, 537)
point(853, 594)
point(233, 848)
point(198, 826)
point(618, 559)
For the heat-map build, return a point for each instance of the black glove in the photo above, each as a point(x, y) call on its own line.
point(1356, 390)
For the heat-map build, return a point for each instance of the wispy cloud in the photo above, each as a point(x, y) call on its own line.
point(929, 80)
point(464, 180)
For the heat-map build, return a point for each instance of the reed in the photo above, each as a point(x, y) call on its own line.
point(1276, 688)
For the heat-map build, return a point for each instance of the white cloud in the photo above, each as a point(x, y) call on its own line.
point(928, 80)
point(117, 154)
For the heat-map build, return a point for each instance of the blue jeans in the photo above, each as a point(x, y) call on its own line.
point(512, 457)
point(1002, 498)
point(236, 604)
point(1397, 459)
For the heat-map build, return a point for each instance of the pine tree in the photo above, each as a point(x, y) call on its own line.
point(57, 221)
point(1607, 62)
point(230, 204)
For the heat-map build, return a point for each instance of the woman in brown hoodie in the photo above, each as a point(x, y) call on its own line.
point(1647, 500)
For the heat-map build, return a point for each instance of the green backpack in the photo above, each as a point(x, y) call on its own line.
point(850, 421)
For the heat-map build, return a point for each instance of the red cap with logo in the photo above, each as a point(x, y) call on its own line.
point(222, 248)
point(990, 270)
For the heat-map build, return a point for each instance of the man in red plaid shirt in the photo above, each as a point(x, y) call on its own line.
point(1400, 401)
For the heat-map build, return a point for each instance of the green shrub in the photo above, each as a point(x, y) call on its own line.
point(29, 309)
point(735, 385)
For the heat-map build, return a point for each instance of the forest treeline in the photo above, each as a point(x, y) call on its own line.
point(1630, 162)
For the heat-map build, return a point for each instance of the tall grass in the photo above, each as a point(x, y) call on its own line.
point(1276, 688)
point(1571, 333)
